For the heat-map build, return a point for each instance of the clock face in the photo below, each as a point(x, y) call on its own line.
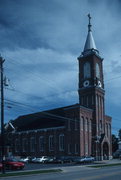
point(99, 84)
point(86, 83)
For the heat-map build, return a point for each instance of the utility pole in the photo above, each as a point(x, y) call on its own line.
point(2, 115)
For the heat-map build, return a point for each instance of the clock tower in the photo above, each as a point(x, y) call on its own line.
point(91, 83)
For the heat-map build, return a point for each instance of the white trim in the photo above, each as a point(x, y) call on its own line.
point(37, 130)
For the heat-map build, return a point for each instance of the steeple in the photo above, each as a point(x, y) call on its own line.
point(90, 46)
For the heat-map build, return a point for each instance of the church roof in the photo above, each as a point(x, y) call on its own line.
point(90, 46)
point(45, 119)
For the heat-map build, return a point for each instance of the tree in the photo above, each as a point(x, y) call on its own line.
point(119, 134)
point(114, 143)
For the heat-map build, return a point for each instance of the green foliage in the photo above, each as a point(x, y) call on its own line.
point(114, 143)
point(119, 134)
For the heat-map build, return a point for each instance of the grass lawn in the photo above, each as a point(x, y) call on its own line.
point(29, 172)
point(106, 165)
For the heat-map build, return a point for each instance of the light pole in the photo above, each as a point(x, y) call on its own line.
point(2, 114)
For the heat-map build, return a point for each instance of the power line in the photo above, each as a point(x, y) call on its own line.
point(35, 75)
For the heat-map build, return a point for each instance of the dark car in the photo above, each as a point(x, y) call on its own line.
point(79, 160)
point(83, 159)
point(62, 159)
point(13, 164)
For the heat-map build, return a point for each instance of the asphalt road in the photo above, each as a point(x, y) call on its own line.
point(76, 173)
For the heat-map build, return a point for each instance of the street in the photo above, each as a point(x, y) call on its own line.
point(76, 173)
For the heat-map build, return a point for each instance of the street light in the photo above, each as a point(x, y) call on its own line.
point(2, 114)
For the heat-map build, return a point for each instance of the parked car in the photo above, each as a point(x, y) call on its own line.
point(79, 159)
point(84, 159)
point(24, 159)
point(117, 154)
point(41, 159)
point(89, 159)
point(63, 159)
point(32, 159)
point(13, 164)
point(50, 159)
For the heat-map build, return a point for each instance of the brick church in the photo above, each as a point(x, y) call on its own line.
point(81, 129)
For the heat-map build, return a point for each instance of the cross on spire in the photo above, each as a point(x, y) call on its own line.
point(89, 25)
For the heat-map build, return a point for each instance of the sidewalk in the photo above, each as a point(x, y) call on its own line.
point(112, 161)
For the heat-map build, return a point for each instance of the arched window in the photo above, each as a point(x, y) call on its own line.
point(24, 145)
point(51, 143)
point(107, 128)
point(41, 143)
point(97, 70)
point(17, 145)
point(61, 142)
point(87, 71)
point(32, 144)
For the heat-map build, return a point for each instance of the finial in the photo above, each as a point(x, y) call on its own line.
point(89, 25)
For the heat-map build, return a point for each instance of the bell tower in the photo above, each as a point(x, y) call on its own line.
point(91, 82)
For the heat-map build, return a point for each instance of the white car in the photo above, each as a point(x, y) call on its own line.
point(25, 160)
point(89, 159)
point(41, 159)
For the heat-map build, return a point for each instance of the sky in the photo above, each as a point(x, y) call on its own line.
point(40, 41)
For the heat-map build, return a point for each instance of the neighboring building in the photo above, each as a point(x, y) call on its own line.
point(78, 130)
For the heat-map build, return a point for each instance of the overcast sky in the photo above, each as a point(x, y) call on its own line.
point(41, 40)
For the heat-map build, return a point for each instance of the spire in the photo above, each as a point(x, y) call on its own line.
point(90, 43)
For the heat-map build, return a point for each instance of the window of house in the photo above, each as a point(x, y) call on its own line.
point(41, 143)
point(82, 100)
point(86, 149)
point(69, 124)
point(87, 71)
point(32, 144)
point(69, 148)
point(109, 130)
point(61, 142)
point(97, 70)
point(100, 125)
point(24, 145)
point(76, 124)
point(86, 124)
point(17, 145)
point(76, 148)
point(51, 143)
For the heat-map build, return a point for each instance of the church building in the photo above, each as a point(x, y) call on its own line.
point(81, 129)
